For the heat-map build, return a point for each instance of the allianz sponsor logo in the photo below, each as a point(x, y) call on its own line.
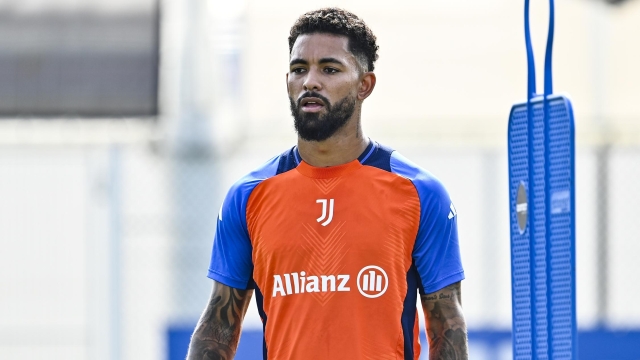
point(372, 282)
point(300, 283)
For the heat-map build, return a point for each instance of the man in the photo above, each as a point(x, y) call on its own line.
point(335, 236)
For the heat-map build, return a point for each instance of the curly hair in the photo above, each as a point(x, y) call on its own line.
point(362, 42)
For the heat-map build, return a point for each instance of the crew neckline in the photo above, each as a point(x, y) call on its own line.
point(333, 171)
point(362, 158)
point(328, 172)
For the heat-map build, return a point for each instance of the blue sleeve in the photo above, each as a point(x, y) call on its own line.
point(436, 253)
point(231, 257)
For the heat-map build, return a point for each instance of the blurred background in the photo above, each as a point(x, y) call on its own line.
point(124, 122)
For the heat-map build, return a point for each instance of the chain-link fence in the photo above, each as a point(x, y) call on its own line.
point(149, 219)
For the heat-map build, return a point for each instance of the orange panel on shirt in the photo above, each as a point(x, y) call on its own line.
point(331, 252)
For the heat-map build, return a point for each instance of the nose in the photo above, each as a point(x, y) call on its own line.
point(312, 82)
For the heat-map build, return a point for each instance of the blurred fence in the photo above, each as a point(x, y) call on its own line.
point(106, 248)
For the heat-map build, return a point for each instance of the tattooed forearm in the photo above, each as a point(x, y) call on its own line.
point(446, 328)
point(218, 331)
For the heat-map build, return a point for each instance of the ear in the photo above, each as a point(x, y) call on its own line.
point(367, 83)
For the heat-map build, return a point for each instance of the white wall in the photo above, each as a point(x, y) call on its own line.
point(42, 231)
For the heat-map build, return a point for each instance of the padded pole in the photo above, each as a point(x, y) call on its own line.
point(531, 62)
point(548, 90)
point(548, 74)
point(531, 91)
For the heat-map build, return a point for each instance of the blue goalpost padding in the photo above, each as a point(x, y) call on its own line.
point(541, 143)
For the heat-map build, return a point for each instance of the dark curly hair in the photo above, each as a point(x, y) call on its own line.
point(362, 42)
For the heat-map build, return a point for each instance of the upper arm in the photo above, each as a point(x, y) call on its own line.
point(227, 306)
point(218, 331)
point(443, 308)
point(436, 252)
point(231, 257)
point(446, 327)
point(436, 255)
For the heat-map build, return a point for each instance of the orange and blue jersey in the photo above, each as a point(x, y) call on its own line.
point(337, 255)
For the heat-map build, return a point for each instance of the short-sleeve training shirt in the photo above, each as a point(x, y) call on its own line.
point(337, 255)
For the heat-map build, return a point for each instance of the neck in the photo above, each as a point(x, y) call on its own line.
point(342, 147)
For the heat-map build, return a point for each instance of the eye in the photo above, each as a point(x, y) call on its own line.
point(331, 70)
point(298, 70)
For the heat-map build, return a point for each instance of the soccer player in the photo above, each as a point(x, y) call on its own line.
point(337, 235)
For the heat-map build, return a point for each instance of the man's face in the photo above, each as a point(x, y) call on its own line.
point(323, 84)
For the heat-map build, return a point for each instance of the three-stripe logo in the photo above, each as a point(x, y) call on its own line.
point(453, 212)
point(372, 281)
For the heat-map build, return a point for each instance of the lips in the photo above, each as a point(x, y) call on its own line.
point(311, 104)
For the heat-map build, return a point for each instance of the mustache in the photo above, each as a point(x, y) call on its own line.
point(315, 95)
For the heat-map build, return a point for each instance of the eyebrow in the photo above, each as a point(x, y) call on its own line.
point(322, 61)
point(330, 60)
point(298, 61)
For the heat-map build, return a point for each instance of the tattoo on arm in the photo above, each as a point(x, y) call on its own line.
point(218, 331)
point(446, 328)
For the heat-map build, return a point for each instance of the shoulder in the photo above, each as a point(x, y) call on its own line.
point(241, 190)
point(423, 180)
point(250, 180)
point(430, 189)
point(433, 195)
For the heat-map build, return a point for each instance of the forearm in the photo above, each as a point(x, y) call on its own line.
point(450, 344)
point(213, 342)
point(446, 327)
point(217, 334)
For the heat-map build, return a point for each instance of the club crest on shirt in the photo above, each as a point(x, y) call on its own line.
point(328, 215)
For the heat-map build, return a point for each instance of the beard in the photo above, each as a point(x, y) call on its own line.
point(316, 127)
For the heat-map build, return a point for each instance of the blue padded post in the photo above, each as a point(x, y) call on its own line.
point(542, 162)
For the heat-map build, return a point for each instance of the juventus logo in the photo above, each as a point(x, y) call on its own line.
point(324, 211)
